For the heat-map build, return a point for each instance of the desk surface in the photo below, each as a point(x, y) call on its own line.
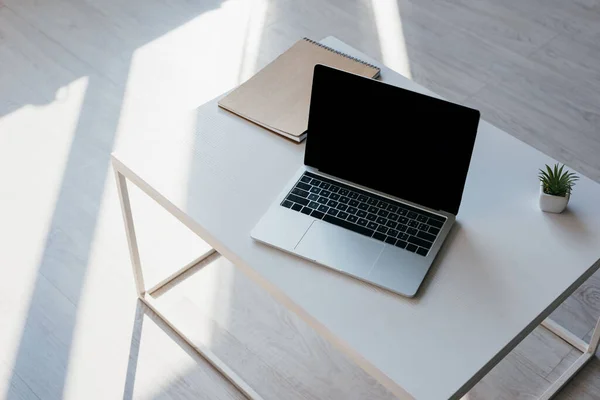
point(505, 266)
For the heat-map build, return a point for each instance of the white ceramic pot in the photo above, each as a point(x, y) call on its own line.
point(552, 204)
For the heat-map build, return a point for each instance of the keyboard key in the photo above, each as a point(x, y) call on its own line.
point(343, 192)
point(362, 198)
point(379, 236)
point(344, 199)
point(392, 208)
point(303, 185)
point(434, 230)
point(352, 210)
point(401, 228)
point(372, 201)
point(371, 217)
point(323, 208)
point(413, 223)
point(422, 252)
point(296, 207)
point(306, 210)
point(315, 182)
point(342, 207)
point(381, 220)
point(435, 222)
point(420, 242)
point(353, 203)
point(401, 243)
point(334, 189)
point(393, 217)
point(324, 185)
point(342, 215)
point(352, 218)
point(383, 213)
point(315, 190)
point(363, 206)
point(313, 196)
point(391, 224)
point(332, 203)
point(345, 224)
point(305, 179)
point(300, 192)
point(332, 211)
point(362, 222)
point(353, 195)
point(403, 236)
point(423, 227)
point(403, 220)
point(334, 196)
point(372, 225)
point(390, 240)
point(317, 214)
point(411, 247)
point(287, 203)
point(382, 229)
point(325, 193)
point(322, 200)
point(313, 205)
point(402, 212)
point(361, 213)
point(393, 232)
point(421, 218)
point(297, 199)
point(412, 214)
point(373, 210)
point(411, 231)
point(382, 204)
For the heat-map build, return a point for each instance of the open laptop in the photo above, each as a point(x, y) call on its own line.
point(382, 182)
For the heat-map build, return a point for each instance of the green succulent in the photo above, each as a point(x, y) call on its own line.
point(555, 182)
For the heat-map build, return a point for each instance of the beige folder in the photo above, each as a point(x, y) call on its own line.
point(278, 96)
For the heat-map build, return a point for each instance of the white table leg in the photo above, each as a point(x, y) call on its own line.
point(146, 295)
point(589, 350)
point(134, 253)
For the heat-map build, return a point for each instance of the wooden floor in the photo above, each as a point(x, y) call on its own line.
point(79, 76)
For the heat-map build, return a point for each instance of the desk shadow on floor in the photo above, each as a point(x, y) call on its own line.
point(134, 350)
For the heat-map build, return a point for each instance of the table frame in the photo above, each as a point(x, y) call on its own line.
point(588, 350)
point(122, 174)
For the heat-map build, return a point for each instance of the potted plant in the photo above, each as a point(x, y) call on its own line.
point(555, 188)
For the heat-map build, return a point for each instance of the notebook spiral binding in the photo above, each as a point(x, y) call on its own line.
point(342, 54)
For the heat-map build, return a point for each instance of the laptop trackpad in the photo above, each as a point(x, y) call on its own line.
point(339, 248)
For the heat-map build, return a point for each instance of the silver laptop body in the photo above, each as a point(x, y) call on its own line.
point(365, 258)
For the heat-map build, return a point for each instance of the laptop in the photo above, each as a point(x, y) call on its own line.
point(383, 177)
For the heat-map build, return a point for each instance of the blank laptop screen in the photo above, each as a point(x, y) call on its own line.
point(390, 139)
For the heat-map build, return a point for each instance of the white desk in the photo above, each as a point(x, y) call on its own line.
point(505, 267)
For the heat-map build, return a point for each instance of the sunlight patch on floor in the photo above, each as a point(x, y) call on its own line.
point(255, 26)
point(35, 143)
point(388, 21)
point(167, 78)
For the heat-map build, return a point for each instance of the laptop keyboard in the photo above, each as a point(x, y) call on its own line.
point(383, 219)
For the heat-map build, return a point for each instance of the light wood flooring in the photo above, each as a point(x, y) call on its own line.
point(78, 76)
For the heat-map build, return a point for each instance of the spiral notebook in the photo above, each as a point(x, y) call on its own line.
point(278, 96)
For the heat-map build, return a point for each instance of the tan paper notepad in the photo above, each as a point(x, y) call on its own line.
point(278, 96)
